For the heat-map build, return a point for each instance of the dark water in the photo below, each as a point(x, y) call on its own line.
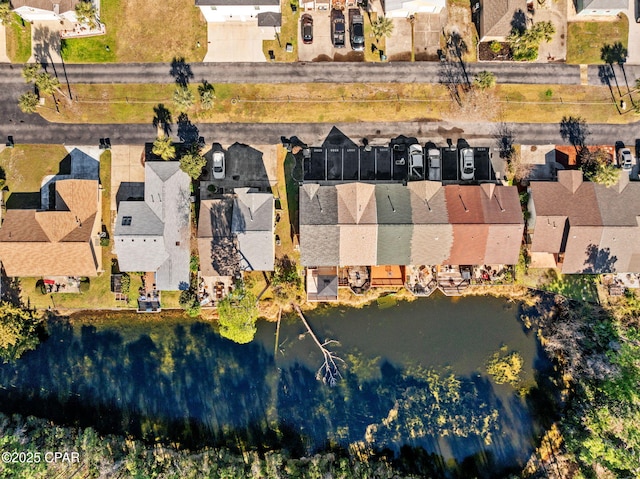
point(413, 375)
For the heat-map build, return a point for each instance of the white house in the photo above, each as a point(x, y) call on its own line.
point(241, 11)
point(42, 10)
point(404, 8)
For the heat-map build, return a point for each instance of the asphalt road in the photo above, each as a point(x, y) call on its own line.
point(334, 72)
point(478, 134)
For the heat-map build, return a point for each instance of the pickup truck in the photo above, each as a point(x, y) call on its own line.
point(356, 29)
point(337, 28)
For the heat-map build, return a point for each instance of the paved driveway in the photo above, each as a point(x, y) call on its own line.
point(127, 173)
point(237, 41)
point(427, 29)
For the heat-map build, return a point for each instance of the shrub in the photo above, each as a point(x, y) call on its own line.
point(495, 47)
point(104, 242)
point(85, 285)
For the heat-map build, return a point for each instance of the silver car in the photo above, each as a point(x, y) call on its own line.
point(218, 165)
point(625, 159)
point(467, 165)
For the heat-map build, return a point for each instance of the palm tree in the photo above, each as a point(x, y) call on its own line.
point(183, 97)
point(47, 83)
point(207, 95)
point(30, 72)
point(484, 80)
point(163, 147)
point(28, 102)
point(382, 27)
point(86, 13)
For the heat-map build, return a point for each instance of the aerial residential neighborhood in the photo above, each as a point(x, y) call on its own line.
point(320, 238)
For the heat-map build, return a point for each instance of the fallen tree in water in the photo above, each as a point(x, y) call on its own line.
point(329, 372)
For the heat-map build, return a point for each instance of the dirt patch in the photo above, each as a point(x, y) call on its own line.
point(485, 53)
point(459, 20)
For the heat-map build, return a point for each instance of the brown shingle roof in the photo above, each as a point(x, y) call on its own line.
point(39, 243)
point(496, 17)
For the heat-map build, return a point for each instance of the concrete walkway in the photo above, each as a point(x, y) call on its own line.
point(3, 45)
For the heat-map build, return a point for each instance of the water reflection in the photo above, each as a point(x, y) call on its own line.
point(178, 381)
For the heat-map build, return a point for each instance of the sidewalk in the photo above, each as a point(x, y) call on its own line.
point(3, 45)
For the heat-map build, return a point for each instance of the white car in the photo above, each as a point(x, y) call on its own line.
point(415, 156)
point(625, 159)
point(218, 165)
point(467, 165)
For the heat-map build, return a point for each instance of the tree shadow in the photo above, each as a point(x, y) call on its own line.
point(187, 131)
point(599, 260)
point(45, 41)
point(504, 138)
point(615, 53)
point(453, 73)
point(181, 71)
point(575, 130)
point(519, 22)
point(606, 74)
point(162, 118)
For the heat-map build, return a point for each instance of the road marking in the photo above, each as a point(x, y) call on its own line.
point(584, 74)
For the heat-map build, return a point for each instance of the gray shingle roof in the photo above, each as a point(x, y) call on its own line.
point(253, 217)
point(158, 238)
point(601, 5)
point(496, 17)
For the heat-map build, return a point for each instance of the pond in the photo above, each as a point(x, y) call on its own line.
point(413, 376)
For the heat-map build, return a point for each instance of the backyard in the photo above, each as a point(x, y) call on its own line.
point(585, 40)
point(327, 103)
point(139, 31)
point(288, 35)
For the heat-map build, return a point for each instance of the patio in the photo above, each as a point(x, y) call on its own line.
point(212, 289)
point(356, 277)
point(62, 284)
point(421, 280)
point(149, 296)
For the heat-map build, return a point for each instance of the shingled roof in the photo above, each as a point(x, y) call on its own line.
point(54, 242)
point(496, 17)
point(153, 236)
point(594, 226)
point(420, 223)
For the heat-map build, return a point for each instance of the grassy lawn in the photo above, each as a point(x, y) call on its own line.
point(586, 39)
point(18, 35)
point(142, 31)
point(581, 287)
point(24, 168)
point(328, 103)
point(288, 34)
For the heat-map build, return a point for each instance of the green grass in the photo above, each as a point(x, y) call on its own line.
point(288, 34)
point(18, 36)
point(139, 31)
point(581, 287)
point(24, 168)
point(586, 39)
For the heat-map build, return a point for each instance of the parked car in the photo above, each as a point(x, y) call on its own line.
point(416, 157)
point(337, 28)
point(467, 165)
point(307, 28)
point(356, 21)
point(218, 165)
point(625, 159)
point(434, 164)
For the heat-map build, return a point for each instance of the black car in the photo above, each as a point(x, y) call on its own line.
point(307, 28)
point(337, 28)
point(356, 21)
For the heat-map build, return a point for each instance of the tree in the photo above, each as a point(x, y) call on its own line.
point(189, 302)
point(382, 27)
point(30, 72)
point(525, 43)
point(18, 331)
point(517, 170)
point(28, 102)
point(183, 97)
point(192, 164)
point(86, 13)
point(47, 83)
point(207, 95)
point(163, 147)
point(484, 79)
point(597, 166)
point(5, 12)
point(237, 316)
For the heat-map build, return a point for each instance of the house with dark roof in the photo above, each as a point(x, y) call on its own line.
point(153, 236)
point(497, 18)
point(266, 13)
point(583, 227)
point(607, 8)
